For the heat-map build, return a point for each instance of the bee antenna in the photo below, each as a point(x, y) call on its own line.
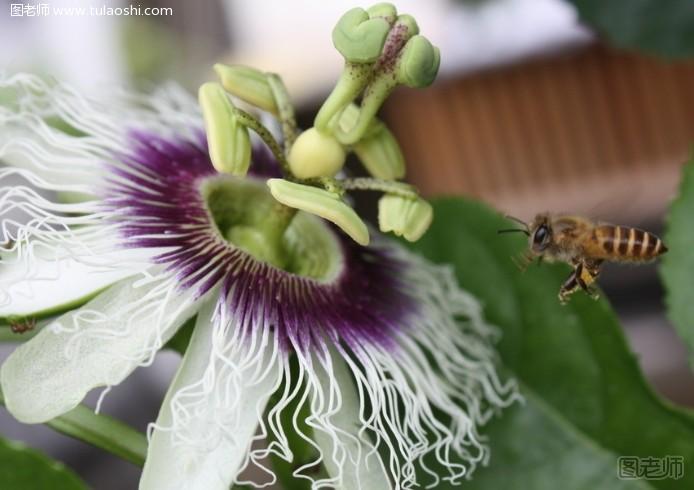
point(517, 220)
point(525, 228)
point(514, 230)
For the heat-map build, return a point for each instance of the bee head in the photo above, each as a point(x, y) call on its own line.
point(540, 234)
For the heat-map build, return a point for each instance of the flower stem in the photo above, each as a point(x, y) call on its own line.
point(387, 186)
point(285, 110)
point(101, 431)
point(7, 335)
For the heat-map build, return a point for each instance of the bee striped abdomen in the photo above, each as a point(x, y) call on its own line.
point(624, 243)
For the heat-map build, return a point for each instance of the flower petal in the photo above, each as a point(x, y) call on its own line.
point(96, 345)
point(41, 287)
point(348, 455)
point(211, 412)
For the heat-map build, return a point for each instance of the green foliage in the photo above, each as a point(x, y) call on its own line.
point(27, 469)
point(664, 28)
point(587, 401)
point(677, 270)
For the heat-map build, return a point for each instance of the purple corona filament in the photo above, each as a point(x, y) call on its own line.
point(156, 194)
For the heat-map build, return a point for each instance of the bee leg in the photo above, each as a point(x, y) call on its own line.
point(523, 261)
point(569, 287)
point(589, 272)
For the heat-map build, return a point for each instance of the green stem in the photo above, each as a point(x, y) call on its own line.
point(285, 110)
point(251, 122)
point(101, 431)
point(354, 78)
point(7, 335)
point(387, 186)
point(276, 222)
point(263, 237)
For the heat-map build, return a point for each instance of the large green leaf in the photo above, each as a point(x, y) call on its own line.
point(678, 264)
point(587, 401)
point(659, 27)
point(22, 468)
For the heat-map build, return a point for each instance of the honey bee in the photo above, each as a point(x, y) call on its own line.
point(585, 246)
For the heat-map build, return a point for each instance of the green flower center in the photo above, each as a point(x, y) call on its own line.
point(249, 218)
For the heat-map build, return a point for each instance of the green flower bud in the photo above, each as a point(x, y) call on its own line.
point(404, 216)
point(227, 139)
point(321, 203)
point(248, 84)
point(315, 154)
point(358, 38)
point(384, 10)
point(418, 63)
point(405, 27)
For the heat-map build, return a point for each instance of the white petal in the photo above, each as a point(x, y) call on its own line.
point(212, 409)
point(96, 345)
point(348, 457)
point(41, 287)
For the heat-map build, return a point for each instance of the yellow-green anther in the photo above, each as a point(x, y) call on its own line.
point(378, 149)
point(358, 38)
point(248, 84)
point(380, 153)
point(227, 139)
point(321, 203)
point(384, 10)
point(418, 63)
point(406, 217)
point(315, 154)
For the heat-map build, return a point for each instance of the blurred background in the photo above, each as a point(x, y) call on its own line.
point(581, 106)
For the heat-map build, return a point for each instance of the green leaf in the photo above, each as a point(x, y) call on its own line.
point(587, 401)
point(677, 270)
point(664, 28)
point(100, 431)
point(22, 468)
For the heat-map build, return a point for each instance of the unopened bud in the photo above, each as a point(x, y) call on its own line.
point(359, 38)
point(418, 63)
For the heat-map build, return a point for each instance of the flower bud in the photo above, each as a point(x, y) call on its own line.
point(248, 84)
point(227, 139)
point(315, 154)
point(406, 217)
point(418, 63)
point(321, 203)
point(359, 38)
point(384, 10)
point(405, 27)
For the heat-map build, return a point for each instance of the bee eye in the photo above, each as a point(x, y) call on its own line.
point(541, 235)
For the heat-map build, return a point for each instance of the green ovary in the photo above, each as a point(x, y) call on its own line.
point(249, 218)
